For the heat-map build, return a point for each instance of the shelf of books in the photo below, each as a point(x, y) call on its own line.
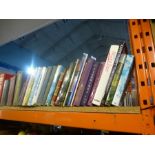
point(115, 95)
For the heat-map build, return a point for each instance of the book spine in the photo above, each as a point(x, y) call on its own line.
point(49, 84)
point(70, 84)
point(1, 84)
point(122, 81)
point(55, 80)
point(100, 92)
point(17, 87)
point(97, 79)
point(77, 78)
point(83, 81)
point(39, 86)
point(115, 80)
point(89, 84)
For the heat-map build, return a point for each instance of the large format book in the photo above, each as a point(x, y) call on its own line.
point(97, 79)
point(100, 92)
point(77, 78)
point(18, 86)
point(39, 86)
point(35, 85)
point(54, 82)
point(44, 86)
point(49, 85)
point(5, 92)
point(3, 77)
point(123, 79)
point(115, 80)
point(83, 80)
point(11, 91)
point(65, 85)
point(29, 88)
point(71, 83)
point(57, 89)
point(122, 49)
point(89, 84)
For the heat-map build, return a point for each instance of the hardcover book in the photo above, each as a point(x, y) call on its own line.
point(123, 79)
point(101, 88)
point(115, 80)
point(83, 81)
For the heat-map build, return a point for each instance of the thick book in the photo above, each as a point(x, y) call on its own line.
point(18, 86)
point(77, 78)
point(65, 85)
point(123, 79)
point(35, 85)
point(100, 92)
point(5, 92)
point(97, 79)
point(3, 77)
point(29, 88)
point(89, 84)
point(71, 83)
point(115, 80)
point(58, 87)
point(83, 81)
point(122, 49)
point(11, 91)
point(39, 86)
point(44, 86)
point(49, 84)
point(53, 85)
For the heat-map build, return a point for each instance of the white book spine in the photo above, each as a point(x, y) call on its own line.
point(123, 79)
point(100, 91)
point(43, 73)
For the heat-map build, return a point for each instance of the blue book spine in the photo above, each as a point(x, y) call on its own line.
point(53, 85)
point(123, 79)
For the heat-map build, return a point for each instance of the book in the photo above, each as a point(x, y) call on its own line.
point(44, 86)
point(89, 84)
point(49, 85)
point(123, 79)
point(3, 77)
point(58, 87)
point(54, 82)
point(39, 86)
point(115, 80)
point(97, 79)
point(18, 85)
point(101, 88)
point(83, 80)
point(65, 85)
point(122, 49)
point(5, 92)
point(71, 83)
point(11, 91)
point(77, 78)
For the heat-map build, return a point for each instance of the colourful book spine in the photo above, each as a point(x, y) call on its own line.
point(11, 91)
point(77, 78)
point(64, 87)
point(55, 80)
point(83, 81)
point(115, 80)
point(100, 92)
point(71, 83)
point(49, 84)
point(39, 86)
point(123, 79)
point(89, 85)
point(18, 85)
point(97, 79)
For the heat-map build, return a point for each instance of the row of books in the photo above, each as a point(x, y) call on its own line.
point(84, 82)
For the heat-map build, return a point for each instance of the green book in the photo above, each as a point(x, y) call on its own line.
point(115, 80)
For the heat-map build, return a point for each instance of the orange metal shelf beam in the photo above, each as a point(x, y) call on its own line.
point(131, 123)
